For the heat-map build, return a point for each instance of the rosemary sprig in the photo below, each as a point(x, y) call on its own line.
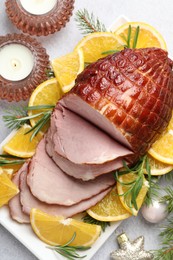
point(69, 251)
point(10, 160)
point(134, 187)
point(15, 120)
point(127, 40)
point(87, 23)
point(90, 220)
point(136, 37)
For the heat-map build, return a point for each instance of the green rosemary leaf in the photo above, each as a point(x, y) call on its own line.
point(135, 191)
point(129, 36)
point(6, 159)
point(40, 107)
point(50, 73)
point(133, 187)
point(110, 52)
point(136, 37)
point(87, 23)
point(90, 220)
point(69, 251)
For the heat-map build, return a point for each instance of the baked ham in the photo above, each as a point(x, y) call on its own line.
point(50, 184)
point(14, 204)
point(28, 202)
point(79, 148)
point(129, 95)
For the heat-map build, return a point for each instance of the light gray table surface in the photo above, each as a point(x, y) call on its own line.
point(158, 13)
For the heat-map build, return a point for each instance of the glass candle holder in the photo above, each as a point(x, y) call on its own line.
point(23, 66)
point(39, 17)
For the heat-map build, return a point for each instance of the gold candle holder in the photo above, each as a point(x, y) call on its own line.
point(39, 17)
point(23, 66)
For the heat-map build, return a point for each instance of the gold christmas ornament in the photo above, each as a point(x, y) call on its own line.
point(131, 250)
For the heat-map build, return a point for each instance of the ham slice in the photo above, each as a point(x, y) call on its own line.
point(79, 148)
point(14, 204)
point(50, 184)
point(129, 95)
point(28, 202)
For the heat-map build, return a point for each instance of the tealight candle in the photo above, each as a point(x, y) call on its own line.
point(38, 7)
point(39, 17)
point(23, 66)
point(17, 62)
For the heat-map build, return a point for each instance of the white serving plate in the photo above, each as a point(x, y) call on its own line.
point(24, 233)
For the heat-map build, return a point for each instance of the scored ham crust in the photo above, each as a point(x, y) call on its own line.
point(129, 95)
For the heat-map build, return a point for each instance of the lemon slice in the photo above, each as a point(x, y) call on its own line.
point(66, 69)
point(127, 178)
point(47, 93)
point(7, 189)
point(56, 230)
point(20, 144)
point(95, 44)
point(148, 35)
point(162, 149)
point(109, 208)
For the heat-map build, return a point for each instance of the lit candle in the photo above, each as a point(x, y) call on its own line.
point(16, 61)
point(38, 7)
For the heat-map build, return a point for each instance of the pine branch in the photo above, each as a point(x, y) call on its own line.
point(87, 23)
point(90, 220)
point(166, 252)
point(153, 191)
point(168, 198)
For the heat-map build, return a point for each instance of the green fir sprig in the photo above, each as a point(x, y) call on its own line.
point(153, 191)
point(88, 23)
point(134, 187)
point(166, 251)
point(88, 219)
point(70, 252)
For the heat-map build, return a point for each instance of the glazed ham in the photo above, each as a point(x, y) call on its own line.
point(14, 204)
point(129, 95)
point(28, 202)
point(79, 148)
point(50, 184)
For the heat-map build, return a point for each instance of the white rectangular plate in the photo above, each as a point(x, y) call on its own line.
point(24, 233)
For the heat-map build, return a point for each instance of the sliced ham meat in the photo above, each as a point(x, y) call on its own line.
point(81, 142)
point(14, 204)
point(79, 148)
point(83, 171)
point(50, 184)
point(129, 95)
point(28, 202)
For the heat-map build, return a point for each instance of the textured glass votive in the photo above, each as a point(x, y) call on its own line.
point(39, 17)
point(23, 66)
